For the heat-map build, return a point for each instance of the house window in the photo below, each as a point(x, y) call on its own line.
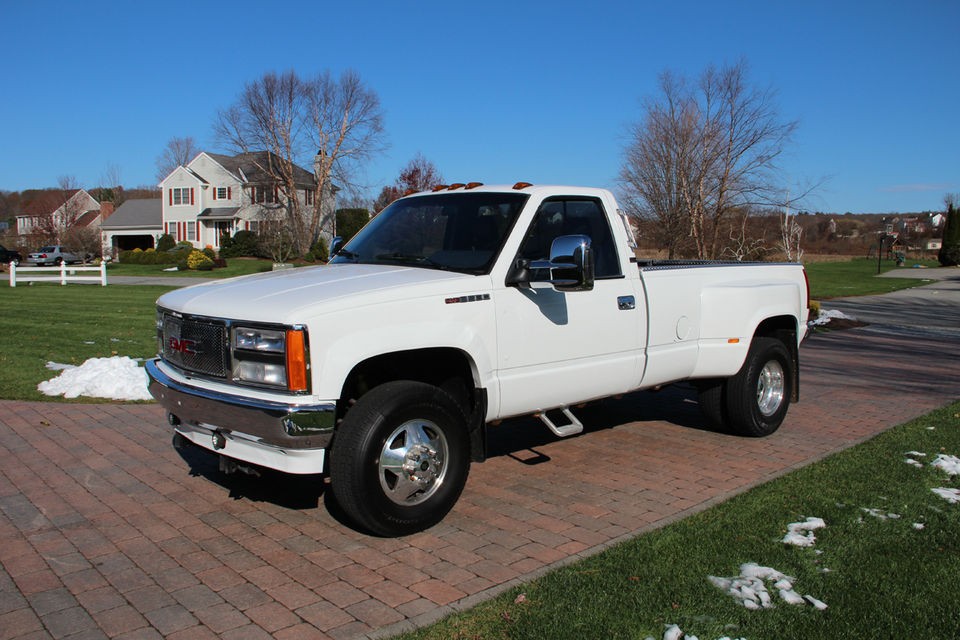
point(181, 195)
point(221, 193)
point(191, 231)
point(308, 196)
point(264, 195)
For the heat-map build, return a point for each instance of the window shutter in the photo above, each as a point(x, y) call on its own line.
point(214, 193)
point(197, 229)
point(229, 197)
point(191, 195)
point(171, 196)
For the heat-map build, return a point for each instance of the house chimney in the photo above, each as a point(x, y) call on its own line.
point(106, 210)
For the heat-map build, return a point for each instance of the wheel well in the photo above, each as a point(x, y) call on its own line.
point(446, 368)
point(784, 329)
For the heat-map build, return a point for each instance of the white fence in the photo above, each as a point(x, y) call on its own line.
point(63, 275)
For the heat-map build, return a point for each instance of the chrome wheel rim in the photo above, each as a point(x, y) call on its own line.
point(770, 388)
point(413, 462)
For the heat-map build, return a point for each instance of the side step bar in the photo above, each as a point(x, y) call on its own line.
point(573, 427)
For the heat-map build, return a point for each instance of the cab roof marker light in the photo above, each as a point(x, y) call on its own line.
point(455, 186)
point(474, 185)
point(439, 187)
point(522, 185)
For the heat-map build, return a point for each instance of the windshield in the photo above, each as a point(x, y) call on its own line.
point(456, 231)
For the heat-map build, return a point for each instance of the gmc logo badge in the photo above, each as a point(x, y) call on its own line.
point(183, 346)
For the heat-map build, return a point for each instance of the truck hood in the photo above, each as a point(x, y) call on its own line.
point(294, 295)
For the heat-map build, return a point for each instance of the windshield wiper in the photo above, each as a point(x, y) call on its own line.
point(412, 257)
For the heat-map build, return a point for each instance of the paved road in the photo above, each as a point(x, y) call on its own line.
point(108, 532)
point(931, 310)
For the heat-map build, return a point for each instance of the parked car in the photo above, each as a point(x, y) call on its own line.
point(7, 256)
point(52, 255)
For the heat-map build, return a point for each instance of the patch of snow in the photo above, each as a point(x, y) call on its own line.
point(172, 269)
point(116, 378)
point(879, 514)
point(58, 366)
point(750, 589)
point(919, 526)
point(800, 534)
point(826, 315)
point(948, 464)
point(819, 604)
point(950, 495)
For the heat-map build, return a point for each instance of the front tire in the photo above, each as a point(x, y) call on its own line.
point(757, 397)
point(400, 458)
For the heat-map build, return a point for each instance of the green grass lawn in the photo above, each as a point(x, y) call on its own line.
point(880, 577)
point(857, 277)
point(50, 323)
point(235, 267)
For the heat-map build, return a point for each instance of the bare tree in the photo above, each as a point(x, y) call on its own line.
point(63, 210)
point(744, 243)
point(177, 153)
point(111, 188)
point(418, 175)
point(702, 151)
point(334, 123)
point(790, 235)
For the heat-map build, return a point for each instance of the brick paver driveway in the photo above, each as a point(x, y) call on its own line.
point(107, 531)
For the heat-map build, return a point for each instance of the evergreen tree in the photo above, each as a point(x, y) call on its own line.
point(949, 255)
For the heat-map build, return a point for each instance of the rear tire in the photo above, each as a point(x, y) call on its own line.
point(757, 397)
point(400, 458)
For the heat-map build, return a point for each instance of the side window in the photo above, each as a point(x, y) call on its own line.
point(565, 217)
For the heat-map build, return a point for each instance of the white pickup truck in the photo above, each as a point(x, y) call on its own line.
point(453, 309)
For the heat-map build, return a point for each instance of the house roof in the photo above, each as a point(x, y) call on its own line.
point(247, 167)
point(139, 212)
point(49, 201)
point(87, 218)
point(220, 212)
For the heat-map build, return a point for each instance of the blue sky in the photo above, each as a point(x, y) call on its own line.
point(491, 91)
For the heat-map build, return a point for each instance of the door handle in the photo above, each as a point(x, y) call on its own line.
point(626, 303)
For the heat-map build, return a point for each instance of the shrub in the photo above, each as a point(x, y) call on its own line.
point(349, 221)
point(243, 243)
point(319, 250)
point(199, 261)
point(165, 242)
point(210, 253)
point(949, 255)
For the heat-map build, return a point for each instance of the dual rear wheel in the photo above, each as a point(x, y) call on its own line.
point(753, 402)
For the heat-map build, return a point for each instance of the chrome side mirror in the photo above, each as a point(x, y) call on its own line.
point(570, 266)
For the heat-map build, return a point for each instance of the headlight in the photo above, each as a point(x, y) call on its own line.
point(271, 357)
point(262, 373)
point(266, 340)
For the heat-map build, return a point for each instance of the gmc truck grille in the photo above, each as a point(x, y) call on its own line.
point(196, 345)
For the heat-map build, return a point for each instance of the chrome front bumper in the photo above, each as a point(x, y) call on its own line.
point(272, 434)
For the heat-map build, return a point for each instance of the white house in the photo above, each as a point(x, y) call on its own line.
point(216, 195)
